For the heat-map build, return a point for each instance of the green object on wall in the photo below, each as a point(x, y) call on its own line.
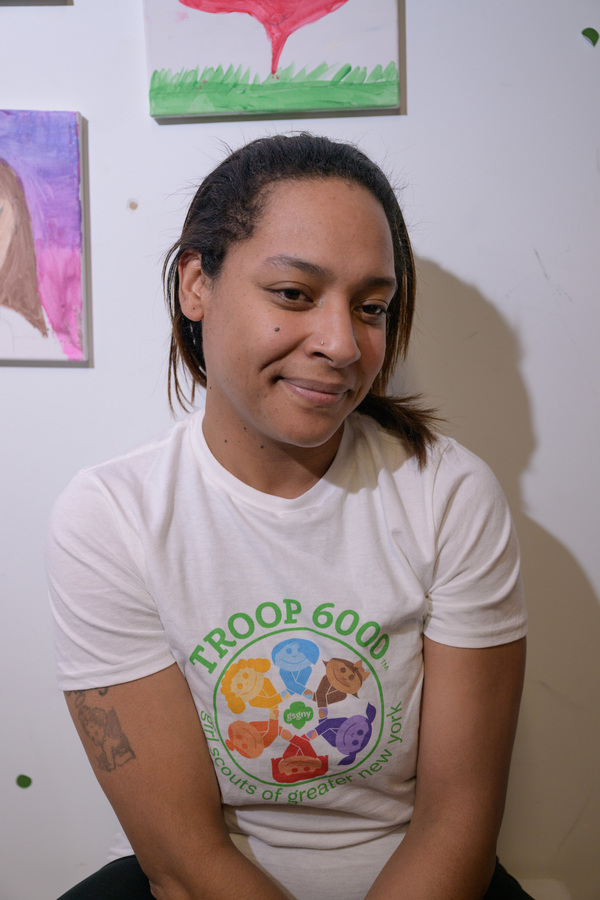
point(23, 781)
point(229, 91)
point(591, 34)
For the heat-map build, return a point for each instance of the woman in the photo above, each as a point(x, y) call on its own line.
point(291, 631)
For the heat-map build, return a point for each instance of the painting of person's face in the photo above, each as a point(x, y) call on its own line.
point(41, 238)
point(294, 325)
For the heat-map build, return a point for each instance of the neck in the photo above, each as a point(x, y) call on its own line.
point(279, 469)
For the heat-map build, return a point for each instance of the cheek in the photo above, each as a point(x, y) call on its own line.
point(381, 348)
point(373, 347)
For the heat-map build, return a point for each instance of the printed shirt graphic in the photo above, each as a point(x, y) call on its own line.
point(294, 706)
point(298, 709)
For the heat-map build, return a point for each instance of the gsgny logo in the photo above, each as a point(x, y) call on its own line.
point(298, 715)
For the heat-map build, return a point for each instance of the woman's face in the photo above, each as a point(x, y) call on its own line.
point(294, 326)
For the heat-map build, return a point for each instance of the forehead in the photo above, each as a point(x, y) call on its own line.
point(320, 219)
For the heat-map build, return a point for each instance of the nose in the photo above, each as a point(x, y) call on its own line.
point(334, 334)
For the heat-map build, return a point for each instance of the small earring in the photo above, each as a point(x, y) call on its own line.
point(322, 342)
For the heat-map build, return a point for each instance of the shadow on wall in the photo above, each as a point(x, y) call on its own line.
point(465, 359)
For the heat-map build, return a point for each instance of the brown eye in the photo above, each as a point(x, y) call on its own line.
point(291, 296)
point(374, 311)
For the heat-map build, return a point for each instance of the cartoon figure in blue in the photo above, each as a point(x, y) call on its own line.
point(349, 735)
point(295, 658)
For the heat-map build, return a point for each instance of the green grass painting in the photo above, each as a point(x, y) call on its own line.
point(217, 91)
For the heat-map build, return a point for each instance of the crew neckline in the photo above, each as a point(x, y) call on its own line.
point(225, 480)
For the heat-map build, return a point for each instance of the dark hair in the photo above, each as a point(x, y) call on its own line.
point(18, 270)
point(225, 210)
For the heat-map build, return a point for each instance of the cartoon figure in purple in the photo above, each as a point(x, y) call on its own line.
point(295, 658)
point(349, 735)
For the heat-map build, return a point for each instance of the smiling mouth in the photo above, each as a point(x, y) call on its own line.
point(317, 392)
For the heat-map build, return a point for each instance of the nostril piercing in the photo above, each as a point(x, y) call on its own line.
point(322, 342)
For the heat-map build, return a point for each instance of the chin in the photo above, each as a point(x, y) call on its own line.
point(311, 440)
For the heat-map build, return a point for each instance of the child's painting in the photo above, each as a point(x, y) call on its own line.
point(255, 57)
point(42, 308)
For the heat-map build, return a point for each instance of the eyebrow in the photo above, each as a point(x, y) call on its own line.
point(283, 261)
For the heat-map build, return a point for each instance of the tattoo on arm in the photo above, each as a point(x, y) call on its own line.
point(103, 728)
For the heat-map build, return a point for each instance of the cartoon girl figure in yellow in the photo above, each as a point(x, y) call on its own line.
point(245, 682)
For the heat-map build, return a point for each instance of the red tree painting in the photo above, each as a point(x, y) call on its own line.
point(279, 18)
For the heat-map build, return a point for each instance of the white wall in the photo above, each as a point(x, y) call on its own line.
point(500, 159)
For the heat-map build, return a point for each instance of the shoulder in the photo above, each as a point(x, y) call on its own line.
point(137, 462)
point(447, 464)
point(135, 465)
point(463, 481)
point(453, 487)
point(125, 481)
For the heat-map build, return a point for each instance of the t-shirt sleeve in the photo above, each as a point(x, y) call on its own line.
point(106, 625)
point(476, 595)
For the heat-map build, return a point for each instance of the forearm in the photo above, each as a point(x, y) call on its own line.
point(164, 788)
point(468, 719)
point(438, 861)
point(225, 874)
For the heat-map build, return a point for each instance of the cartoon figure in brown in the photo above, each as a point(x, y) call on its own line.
point(341, 678)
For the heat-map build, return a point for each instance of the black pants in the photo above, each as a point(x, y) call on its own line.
point(123, 879)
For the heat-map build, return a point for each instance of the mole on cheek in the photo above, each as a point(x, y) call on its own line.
point(276, 329)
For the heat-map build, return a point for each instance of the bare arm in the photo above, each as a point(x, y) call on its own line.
point(148, 751)
point(468, 721)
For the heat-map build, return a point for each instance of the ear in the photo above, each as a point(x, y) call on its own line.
point(192, 286)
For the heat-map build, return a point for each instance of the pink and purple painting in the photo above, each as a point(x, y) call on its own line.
point(42, 304)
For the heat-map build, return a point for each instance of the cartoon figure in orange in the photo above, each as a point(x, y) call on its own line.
point(341, 678)
point(251, 738)
point(245, 682)
point(299, 762)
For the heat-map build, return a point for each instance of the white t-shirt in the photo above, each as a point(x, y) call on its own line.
point(298, 624)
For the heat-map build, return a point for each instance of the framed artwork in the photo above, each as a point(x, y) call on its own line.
point(42, 296)
point(36, 2)
point(254, 57)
